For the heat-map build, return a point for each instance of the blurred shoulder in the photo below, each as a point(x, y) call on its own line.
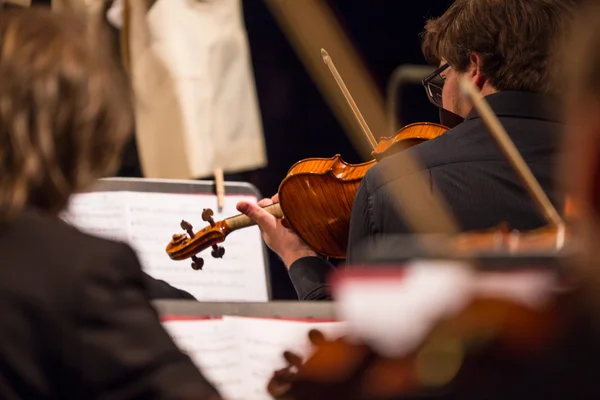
point(55, 246)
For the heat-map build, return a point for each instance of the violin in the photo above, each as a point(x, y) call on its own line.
point(467, 353)
point(317, 194)
point(315, 201)
point(463, 350)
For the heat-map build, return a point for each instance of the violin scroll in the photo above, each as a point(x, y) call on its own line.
point(181, 238)
point(281, 382)
point(187, 245)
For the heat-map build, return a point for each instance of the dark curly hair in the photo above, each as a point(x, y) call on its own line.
point(516, 39)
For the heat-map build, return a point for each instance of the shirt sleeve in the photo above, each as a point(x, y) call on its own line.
point(161, 290)
point(117, 347)
point(309, 274)
point(309, 277)
point(362, 221)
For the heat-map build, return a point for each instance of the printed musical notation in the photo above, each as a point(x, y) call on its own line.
point(99, 214)
point(212, 345)
point(249, 349)
point(147, 221)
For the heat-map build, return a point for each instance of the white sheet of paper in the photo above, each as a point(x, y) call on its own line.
point(262, 343)
point(406, 307)
point(100, 214)
point(147, 222)
point(213, 345)
point(191, 64)
point(239, 354)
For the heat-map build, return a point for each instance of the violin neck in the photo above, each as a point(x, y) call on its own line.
point(242, 221)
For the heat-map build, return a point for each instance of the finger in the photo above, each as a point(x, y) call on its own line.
point(292, 359)
point(265, 221)
point(275, 198)
point(265, 202)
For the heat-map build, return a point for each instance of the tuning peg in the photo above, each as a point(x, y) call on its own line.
point(316, 337)
point(218, 251)
point(207, 215)
point(178, 239)
point(198, 263)
point(186, 226)
point(280, 383)
point(293, 359)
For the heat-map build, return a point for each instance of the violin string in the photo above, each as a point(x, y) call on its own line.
point(508, 148)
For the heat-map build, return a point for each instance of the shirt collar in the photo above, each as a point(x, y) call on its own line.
point(522, 105)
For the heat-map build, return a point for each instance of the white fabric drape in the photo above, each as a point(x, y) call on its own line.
point(196, 104)
point(197, 107)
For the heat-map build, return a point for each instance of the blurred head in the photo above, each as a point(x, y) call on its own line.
point(65, 109)
point(581, 167)
point(500, 45)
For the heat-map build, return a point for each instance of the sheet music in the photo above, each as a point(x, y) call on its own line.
point(262, 343)
point(239, 354)
point(147, 222)
point(100, 214)
point(213, 345)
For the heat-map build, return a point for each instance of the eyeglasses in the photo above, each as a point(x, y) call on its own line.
point(434, 85)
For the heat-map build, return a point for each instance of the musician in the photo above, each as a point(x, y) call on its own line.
point(506, 49)
point(75, 318)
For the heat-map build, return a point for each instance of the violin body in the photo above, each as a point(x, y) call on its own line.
point(408, 136)
point(316, 198)
point(317, 195)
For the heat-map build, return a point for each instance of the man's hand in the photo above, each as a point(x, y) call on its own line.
point(280, 239)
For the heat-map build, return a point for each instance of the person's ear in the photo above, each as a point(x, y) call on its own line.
point(475, 70)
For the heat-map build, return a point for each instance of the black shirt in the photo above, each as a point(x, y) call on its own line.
point(76, 322)
point(467, 169)
point(160, 290)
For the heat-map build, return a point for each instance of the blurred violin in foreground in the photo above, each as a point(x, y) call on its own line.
point(487, 326)
point(486, 336)
point(470, 352)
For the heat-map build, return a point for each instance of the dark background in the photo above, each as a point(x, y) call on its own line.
point(297, 122)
